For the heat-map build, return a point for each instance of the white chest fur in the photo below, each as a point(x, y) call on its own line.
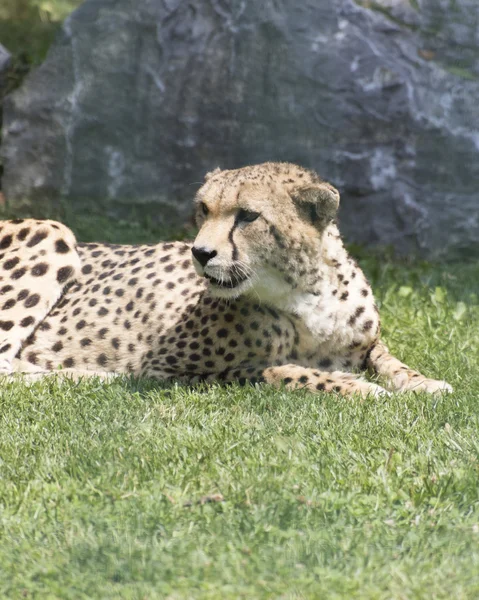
point(318, 312)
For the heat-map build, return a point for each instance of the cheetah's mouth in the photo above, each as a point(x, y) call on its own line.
point(233, 282)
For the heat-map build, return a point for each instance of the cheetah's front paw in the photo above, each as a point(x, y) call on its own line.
point(431, 386)
point(366, 388)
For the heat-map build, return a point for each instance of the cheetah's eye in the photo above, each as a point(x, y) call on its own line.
point(204, 209)
point(246, 216)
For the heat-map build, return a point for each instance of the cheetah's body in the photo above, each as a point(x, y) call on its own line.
point(307, 314)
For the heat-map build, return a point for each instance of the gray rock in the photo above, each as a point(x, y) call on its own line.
point(137, 100)
point(5, 59)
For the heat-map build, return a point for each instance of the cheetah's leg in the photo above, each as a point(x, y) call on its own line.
point(37, 260)
point(399, 376)
point(295, 376)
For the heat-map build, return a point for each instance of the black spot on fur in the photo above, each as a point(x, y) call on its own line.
point(36, 238)
point(39, 270)
point(5, 242)
point(325, 363)
point(22, 234)
point(102, 360)
point(32, 301)
point(9, 304)
point(27, 321)
point(357, 313)
point(64, 273)
point(367, 325)
point(61, 247)
point(18, 273)
point(12, 262)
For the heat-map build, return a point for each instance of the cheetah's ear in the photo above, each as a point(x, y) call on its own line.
point(322, 200)
point(212, 173)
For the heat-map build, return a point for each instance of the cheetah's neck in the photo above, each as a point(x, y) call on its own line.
point(315, 308)
point(313, 300)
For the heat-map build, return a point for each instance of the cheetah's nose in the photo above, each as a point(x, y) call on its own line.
point(203, 255)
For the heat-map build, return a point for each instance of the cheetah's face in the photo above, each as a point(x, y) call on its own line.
point(258, 224)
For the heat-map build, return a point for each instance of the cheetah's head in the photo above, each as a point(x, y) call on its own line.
point(261, 228)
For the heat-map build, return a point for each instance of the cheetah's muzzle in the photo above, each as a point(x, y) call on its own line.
point(231, 283)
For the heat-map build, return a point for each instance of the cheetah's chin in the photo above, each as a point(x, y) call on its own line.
point(231, 288)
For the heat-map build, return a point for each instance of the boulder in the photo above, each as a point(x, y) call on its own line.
point(5, 59)
point(137, 100)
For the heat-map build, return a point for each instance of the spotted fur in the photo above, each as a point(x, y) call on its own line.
point(37, 262)
point(270, 295)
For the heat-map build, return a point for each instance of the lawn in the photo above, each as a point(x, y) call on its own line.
point(140, 491)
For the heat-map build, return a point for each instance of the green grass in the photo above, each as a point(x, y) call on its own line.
point(323, 497)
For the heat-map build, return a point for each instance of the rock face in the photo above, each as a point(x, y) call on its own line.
point(137, 100)
point(4, 64)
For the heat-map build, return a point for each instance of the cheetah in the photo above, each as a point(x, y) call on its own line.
point(265, 293)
